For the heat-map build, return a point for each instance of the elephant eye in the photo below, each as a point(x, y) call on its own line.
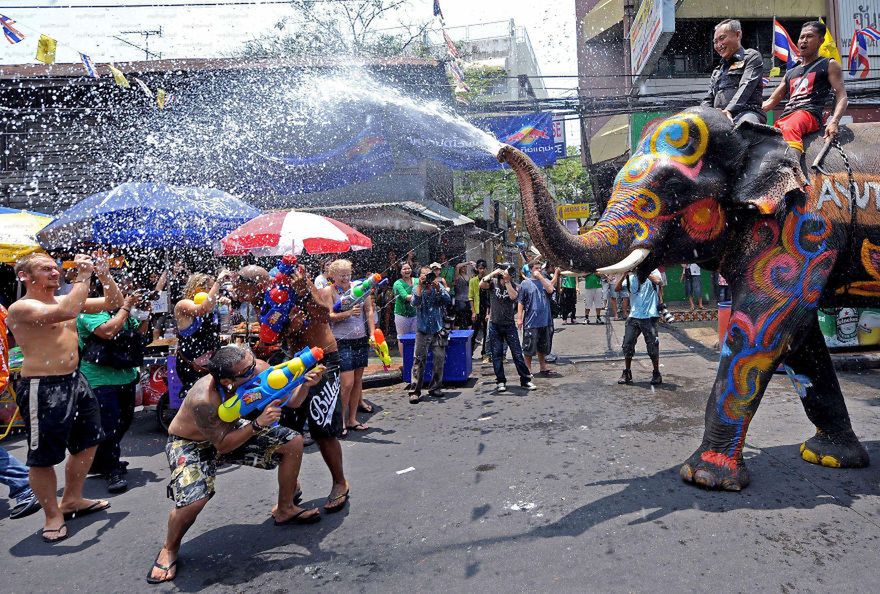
point(674, 188)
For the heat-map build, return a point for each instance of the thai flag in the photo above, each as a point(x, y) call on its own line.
point(858, 55)
point(437, 11)
point(12, 34)
point(784, 48)
point(89, 66)
point(871, 33)
point(765, 82)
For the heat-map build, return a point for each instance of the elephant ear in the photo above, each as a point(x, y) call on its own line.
point(770, 169)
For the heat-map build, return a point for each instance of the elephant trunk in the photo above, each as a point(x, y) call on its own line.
point(583, 253)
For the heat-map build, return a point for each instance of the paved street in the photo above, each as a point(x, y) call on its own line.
point(573, 487)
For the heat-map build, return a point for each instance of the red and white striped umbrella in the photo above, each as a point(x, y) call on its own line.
point(282, 231)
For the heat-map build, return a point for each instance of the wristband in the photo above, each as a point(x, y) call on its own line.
point(256, 426)
point(125, 309)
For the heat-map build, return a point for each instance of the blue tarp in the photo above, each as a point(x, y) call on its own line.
point(359, 158)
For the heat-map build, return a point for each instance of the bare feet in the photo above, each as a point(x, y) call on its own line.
point(164, 568)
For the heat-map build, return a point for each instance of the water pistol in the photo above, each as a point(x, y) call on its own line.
point(381, 348)
point(275, 383)
point(279, 300)
point(358, 292)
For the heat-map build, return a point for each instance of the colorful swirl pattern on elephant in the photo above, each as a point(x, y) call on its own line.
point(735, 199)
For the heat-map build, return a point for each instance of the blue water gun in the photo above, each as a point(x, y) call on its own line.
point(358, 292)
point(279, 300)
point(274, 383)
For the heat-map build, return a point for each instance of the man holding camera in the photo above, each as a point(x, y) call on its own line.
point(112, 374)
point(534, 316)
point(502, 331)
point(643, 319)
point(430, 298)
point(58, 407)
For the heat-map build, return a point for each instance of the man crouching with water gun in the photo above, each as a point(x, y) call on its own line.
point(199, 442)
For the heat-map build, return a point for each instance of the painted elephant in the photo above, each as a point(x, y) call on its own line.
point(735, 199)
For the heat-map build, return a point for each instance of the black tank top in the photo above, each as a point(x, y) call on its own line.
point(808, 88)
point(204, 338)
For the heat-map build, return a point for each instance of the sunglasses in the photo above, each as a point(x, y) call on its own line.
point(247, 373)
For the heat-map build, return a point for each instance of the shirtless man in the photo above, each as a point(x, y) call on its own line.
point(57, 405)
point(199, 442)
point(308, 326)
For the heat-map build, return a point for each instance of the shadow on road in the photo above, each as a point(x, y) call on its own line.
point(33, 545)
point(780, 481)
point(233, 554)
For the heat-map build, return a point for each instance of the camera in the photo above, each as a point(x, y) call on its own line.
point(146, 295)
point(665, 314)
point(510, 268)
point(430, 277)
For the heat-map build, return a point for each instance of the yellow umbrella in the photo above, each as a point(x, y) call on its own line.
point(18, 230)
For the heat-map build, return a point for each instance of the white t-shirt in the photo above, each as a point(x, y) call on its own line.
point(694, 269)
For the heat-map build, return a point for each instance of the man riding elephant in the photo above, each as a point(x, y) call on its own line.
point(736, 84)
point(809, 86)
point(734, 198)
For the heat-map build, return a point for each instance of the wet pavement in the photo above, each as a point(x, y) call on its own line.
point(573, 487)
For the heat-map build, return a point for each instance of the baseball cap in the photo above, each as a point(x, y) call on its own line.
point(435, 265)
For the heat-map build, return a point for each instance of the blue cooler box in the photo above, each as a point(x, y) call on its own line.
point(458, 357)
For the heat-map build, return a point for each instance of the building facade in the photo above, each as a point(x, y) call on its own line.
point(502, 47)
point(682, 70)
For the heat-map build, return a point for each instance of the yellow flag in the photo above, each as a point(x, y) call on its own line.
point(828, 49)
point(46, 49)
point(119, 77)
point(776, 71)
point(160, 98)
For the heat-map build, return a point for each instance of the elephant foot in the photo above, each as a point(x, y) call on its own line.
point(835, 450)
point(714, 470)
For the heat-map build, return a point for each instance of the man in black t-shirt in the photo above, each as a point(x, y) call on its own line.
point(809, 87)
point(502, 326)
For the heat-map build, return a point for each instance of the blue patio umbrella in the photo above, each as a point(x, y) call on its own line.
point(149, 215)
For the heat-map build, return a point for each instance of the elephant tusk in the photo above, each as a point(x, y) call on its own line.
point(636, 257)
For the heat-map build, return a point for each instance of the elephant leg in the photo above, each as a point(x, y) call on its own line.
point(744, 371)
point(811, 371)
point(782, 272)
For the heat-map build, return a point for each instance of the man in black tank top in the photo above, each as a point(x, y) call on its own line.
point(809, 88)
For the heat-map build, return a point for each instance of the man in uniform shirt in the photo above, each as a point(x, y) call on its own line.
point(735, 86)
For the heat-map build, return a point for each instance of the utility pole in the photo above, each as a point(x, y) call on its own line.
point(146, 34)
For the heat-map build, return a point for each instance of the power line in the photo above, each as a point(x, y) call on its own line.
point(181, 5)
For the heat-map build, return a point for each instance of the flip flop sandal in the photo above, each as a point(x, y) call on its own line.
point(54, 531)
point(358, 427)
point(152, 580)
point(298, 518)
point(94, 508)
point(337, 508)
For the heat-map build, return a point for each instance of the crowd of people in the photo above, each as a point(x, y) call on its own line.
point(82, 332)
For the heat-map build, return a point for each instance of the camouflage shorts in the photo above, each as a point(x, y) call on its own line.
point(194, 463)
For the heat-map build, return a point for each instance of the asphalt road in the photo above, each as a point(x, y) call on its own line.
point(574, 487)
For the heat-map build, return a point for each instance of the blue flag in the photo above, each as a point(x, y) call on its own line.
point(462, 147)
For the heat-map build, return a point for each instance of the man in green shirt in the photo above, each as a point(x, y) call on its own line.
point(114, 388)
point(593, 297)
point(569, 297)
